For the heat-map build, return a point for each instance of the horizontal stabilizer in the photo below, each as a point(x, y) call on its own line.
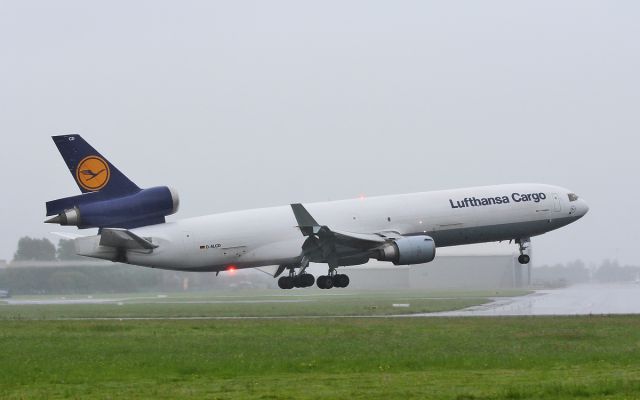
point(124, 239)
point(66, 235)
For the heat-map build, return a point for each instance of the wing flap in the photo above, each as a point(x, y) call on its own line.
point(358, 240)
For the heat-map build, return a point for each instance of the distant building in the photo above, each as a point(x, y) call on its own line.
point(482, 266)
point(58, 264)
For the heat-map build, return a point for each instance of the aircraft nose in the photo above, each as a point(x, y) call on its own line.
point(583, 207)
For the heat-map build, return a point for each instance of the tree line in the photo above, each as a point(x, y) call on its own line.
point(608, 271)
point(33, 249)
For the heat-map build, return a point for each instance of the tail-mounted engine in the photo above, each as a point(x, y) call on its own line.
point(95, 210)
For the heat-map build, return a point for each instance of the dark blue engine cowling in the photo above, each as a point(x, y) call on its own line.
point(94, 210)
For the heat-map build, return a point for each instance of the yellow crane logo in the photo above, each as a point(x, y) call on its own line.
point(93, 173)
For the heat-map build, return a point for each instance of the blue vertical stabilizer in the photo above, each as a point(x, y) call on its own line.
point(91, 171)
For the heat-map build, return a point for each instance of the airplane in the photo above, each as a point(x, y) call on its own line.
point(401, 229)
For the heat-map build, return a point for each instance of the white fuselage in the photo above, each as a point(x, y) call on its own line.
point(270, 236)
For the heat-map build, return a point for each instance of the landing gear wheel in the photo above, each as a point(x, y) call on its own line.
point(320, 281)
point(304, 280)
point(281, 282)
point(324, 282)
point(523, 245)
point(286, 282)
point(328, 282)
point(341, 281)
point(307, 280)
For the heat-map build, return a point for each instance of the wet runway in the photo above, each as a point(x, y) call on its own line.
point(573, 300)
point(142, 300)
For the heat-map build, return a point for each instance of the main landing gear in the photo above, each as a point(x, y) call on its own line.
point(299, 281)
point(303, 279)
point(523, 245)
point(333, 280)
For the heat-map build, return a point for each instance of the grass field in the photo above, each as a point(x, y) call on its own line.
point(325, 358)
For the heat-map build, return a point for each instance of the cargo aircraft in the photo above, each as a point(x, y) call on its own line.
point(401, 229)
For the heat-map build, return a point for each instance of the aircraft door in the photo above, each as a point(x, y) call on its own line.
point(557, 207)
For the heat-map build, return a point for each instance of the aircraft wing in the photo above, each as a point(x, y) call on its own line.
point(125, 239)
point(326, 245)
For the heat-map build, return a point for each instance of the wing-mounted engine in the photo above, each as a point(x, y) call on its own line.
point(408, 250)
point(348, 248)
point(340, 248)
point(95, 210)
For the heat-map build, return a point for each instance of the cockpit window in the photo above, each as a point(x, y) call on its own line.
point(573, 197)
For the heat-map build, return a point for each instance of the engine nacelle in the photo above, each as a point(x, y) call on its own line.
point(146, 207)
point(409, 250)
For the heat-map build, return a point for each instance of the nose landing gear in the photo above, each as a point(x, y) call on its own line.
point(523, 245)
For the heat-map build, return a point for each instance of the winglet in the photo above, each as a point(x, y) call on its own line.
point(306, 222)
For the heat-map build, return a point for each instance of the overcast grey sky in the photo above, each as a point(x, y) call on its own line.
point(249, 104)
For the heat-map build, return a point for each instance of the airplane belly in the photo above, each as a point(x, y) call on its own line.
point(497, 232)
